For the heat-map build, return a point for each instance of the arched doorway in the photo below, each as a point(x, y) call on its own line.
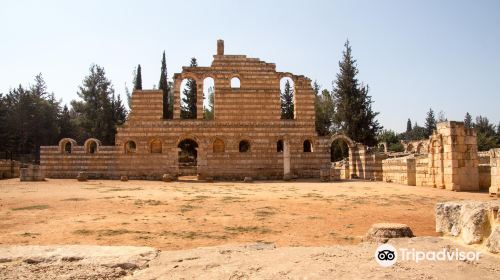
point(341, 157)
point(187, 157)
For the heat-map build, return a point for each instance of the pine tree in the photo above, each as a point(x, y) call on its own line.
point(138, 79)
point(208, 112)
point(164, 87)
point(287, 106)
point(468, 120)
point(486, 134)
point(430, 123)
point(67, 128)
point(97, 109)
point(188, 107)
point(408, 125)
point(353, 106)
point(4, 132)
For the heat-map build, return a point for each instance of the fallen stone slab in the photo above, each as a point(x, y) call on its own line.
point(382, 232)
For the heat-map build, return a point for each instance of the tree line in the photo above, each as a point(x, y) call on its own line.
point(31, 116)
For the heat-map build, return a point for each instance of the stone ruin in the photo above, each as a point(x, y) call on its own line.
point(248, 138)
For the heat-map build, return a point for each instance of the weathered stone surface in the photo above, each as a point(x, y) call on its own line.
point(248, 179)
point(382, 232)
point(167, 178)
point(493, 241)
point(124, 178)
point(472, 222)
point(31, 173)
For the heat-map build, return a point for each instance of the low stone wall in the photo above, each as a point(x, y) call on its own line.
point(495, 171)
point(471, 222)
point(9, 169)
point(31, 173)
point(399, 170)
point(422, 176)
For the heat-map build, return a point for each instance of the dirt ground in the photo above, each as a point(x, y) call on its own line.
point(184, 215)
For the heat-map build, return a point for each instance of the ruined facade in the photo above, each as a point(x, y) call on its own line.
point(247, 136)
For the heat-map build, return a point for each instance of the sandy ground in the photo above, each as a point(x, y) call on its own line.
point(184, 215)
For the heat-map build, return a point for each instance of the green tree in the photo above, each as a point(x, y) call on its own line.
point(353, 106)
point(324, 113)
point(188, 107)
point(408, 125)
point(164, 87)
point(67, 127)
point(468, 120)
point(287, 106)
point(486, 134)
point(138, 79)
point(430, 123)
point(97, 111)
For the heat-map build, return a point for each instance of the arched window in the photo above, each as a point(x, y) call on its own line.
point(130, 147)
point(155, 146)
point(188, 99)
point(279, 146)
point(307, 146)
point(92, 147)
point(287, 98)
point(244, 146)
point(219, 146)
point(208, 98)
point(235, 83)
point(67, 147)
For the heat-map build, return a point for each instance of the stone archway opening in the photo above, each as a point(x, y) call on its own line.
point(343, 165)
point(187, 157)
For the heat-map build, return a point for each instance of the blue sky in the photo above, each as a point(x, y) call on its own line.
point(413, 54)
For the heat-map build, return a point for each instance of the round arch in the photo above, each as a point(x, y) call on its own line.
point(66, 145)
point(92, 145)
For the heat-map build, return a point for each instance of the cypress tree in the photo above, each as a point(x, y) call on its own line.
point(138, 79)
point(353, 106)
point(188, 107)
point(287, 106)
point(408, 125)
point(430, 123)
point(164, 87)
point(468, 120)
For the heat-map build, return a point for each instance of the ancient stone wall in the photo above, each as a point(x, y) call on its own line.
point(400, 170)
point(9, 169)
point(495, 171)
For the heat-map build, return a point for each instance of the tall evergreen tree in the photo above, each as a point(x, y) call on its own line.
point(208, 111)
point(96, 111)
point(188, 107)
point(486, 134)
point(468, 120)
point(4, 129)
point(138, 79)
point(430, 123)
point(408, 125)
point(287, 106)
point(324, 109)
point(353, 106)
point(67, 127)
point(164, 87)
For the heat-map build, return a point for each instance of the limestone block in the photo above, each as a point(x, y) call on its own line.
point(382, 232)
point(474, 219)
point(82, 176)
point(493, 241)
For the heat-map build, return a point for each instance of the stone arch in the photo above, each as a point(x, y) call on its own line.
point(92, 145)
point(130, 147)
point(66, 145)
point(422, 148)
point(235, 82)
point(307, 146)
point(384, 145)
point(244, 146)
point(283, 84)
point(218, 146)
point(409, 148)
point(208, 98)
point(188, 152)
point(155, 146)
point(340, 136)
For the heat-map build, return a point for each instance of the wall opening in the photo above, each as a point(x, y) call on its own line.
point(188, 153)
point(287, 98)
point(188, 99)
point(130, 147)
point(235, 83)
point(92, 149)
point(308, 148)
point(208, 98)
point(279, 146)
point(339, 150)
point(67, 147)
point(244, 146)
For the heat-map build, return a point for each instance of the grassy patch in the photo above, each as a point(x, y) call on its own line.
point(150, 202)
point(29, 234)
point(229, 199)
point(74, 199)
point(187, 208)
point(265, 212)
point(192, 235)
point(83, 232)
point(248, 229)
point(32, 207)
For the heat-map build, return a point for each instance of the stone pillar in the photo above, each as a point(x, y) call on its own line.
point(220, 47)
point(177, 98)
point(199, 99)
point(286, 160)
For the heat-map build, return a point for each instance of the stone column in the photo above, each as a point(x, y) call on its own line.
point(199, 99)
point(177, 98)
point(286, 160)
